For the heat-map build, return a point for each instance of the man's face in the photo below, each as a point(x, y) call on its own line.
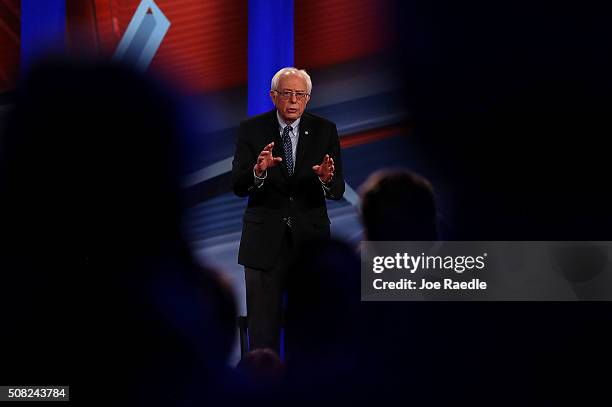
point(290, 109)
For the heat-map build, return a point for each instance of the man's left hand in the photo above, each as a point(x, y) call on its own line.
point(325, 170)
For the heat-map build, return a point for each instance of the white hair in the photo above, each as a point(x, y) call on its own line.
point(290, 69)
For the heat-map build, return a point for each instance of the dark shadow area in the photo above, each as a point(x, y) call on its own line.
point(510, 101)
point(99, 289)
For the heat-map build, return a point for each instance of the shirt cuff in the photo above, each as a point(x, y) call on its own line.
point(259, 181)
point(326, 186)
point(326, 189)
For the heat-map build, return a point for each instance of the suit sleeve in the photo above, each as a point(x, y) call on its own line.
point(335, 189)
point(243, 182)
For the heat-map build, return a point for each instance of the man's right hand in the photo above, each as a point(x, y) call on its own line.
point(266, 160)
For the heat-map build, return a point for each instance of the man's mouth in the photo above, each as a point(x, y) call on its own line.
point(291, 110)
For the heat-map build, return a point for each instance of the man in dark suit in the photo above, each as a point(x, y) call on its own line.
point(287, 162)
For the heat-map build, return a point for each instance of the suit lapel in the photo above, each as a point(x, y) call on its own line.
point(304, 142)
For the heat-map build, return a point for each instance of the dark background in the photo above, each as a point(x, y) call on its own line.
point(511, 101)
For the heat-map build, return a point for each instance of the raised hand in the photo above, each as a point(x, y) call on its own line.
point(325, 170)
point(266, 160)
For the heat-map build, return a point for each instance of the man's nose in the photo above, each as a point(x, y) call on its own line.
point(293, 97)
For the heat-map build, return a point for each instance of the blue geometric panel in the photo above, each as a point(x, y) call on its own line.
point(143, 35)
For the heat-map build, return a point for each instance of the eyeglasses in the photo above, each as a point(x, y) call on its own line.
point(286, 94)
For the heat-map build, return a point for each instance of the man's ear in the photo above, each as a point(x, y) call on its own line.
point(273, 97)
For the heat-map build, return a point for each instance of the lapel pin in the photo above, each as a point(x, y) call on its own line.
point(306, 132)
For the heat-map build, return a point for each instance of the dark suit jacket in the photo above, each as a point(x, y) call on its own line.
point(300, 196)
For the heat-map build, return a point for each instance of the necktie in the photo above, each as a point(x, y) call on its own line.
point(288, 149)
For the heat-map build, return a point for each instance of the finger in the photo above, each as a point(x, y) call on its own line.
point(331, 161)
point(269, 147)
point(264, 153)
point(331, 169)
point(277, 159)
point(316, 168)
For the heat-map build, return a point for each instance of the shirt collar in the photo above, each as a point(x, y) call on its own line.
point(293, 125)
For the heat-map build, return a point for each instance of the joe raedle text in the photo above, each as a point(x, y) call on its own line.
point(404, 271)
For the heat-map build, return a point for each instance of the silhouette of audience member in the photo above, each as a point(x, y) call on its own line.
point(415, 341)
point(323, 322)
point(337, 347)
point(263, 367)
point(98, 285)
point(398, 205)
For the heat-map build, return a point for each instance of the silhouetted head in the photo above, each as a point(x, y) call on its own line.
point(262, 366)
point(90, 156)
point(91, 244)
point(398, 205)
